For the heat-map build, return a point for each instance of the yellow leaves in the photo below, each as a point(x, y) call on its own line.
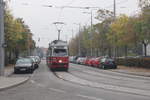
point(119, 30)
point(16, 32)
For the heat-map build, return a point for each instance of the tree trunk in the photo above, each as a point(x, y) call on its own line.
point(109, 52)
point(145, 49)
point(9, 57)
point(126, 50)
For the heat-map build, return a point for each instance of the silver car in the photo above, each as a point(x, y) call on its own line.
point(24, 65)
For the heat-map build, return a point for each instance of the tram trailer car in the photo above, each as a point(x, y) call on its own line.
point(57, 55)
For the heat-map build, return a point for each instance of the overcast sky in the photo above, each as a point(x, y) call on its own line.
point(40, 19)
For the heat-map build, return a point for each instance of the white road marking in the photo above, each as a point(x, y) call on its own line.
point(57, 90)
point(89, 97)
point(32, 81)
point(38, 84)
point(71, 78)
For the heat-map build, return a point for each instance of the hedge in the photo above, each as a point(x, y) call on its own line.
point(143, 62)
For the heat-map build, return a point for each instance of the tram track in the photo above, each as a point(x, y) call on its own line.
point(107, 72)
point(66, 76)
point(75, 76)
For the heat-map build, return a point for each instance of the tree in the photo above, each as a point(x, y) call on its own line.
point(17, 36)
point(144, 3)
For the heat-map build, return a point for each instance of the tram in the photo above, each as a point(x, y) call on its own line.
point(57, 55)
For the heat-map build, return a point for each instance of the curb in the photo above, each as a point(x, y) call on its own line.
point(131, 73)
point(14, 85)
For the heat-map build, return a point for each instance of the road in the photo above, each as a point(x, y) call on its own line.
point(80, 83)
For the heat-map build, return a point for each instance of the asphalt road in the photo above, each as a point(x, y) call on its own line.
point(80, 83)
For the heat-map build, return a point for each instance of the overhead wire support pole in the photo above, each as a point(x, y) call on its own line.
point(114, 9)
point(59, 34)
point(91, 32)
point(79, 41)
point(2, 5)
point(115, 48)
point(59, 29)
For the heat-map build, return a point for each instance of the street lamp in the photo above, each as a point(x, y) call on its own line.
point(59, 28)
point(91, 13)
point(79, 46)
point(2, 52)
point(47, 6)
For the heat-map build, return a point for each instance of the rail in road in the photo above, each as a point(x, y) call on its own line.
point(80, 83)
point(106, 80)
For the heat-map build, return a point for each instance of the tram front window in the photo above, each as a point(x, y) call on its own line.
point(60, 52)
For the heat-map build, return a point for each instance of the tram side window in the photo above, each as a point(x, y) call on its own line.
point(60, 52)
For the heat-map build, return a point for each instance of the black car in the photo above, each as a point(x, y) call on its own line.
point(107, 63)
point(24, 65)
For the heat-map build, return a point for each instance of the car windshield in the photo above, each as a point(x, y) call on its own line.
point(23, 61)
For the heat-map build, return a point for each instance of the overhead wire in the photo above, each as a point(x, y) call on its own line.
point(123, 1)
point(61, 11)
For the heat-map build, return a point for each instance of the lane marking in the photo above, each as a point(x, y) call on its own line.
point(38, 84)
point(89, 97)
point(32, 81)
point(57, 90)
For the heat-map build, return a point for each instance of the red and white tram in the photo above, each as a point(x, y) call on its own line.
point(57, 55)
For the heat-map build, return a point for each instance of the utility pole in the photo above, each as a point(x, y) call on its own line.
point(59, 34)
point(2, 4)
point(91, 32)
point(114, 9)
point(91, 37)
point(79, 41)
point(115, 48)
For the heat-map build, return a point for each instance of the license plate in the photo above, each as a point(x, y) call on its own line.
point(23, 69)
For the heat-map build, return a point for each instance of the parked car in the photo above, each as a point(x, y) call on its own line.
point(107, 63)
point(24, 64)
point(71, 59)
point(90, 62)
point(86, 61)
point(38, 59)
point(96, 62)
point(81, 60)
point(34, 61)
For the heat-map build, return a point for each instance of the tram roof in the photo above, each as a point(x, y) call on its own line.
point(58, 43)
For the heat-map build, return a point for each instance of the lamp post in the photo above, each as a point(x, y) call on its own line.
point(2, 4)
point(79, 41)
point(91, 13)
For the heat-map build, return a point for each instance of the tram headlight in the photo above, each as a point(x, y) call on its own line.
point(60, 61)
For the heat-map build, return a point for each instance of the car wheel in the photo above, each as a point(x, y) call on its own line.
point(16, 71)
point(30, 71)
point(115, 67)
point(103, 67)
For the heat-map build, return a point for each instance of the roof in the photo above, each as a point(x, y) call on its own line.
point(58, 43)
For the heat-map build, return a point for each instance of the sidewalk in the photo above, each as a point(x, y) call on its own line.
point(9, 70)
point(7, 81)
point(133, 71)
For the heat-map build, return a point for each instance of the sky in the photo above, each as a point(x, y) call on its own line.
point(40, 18)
